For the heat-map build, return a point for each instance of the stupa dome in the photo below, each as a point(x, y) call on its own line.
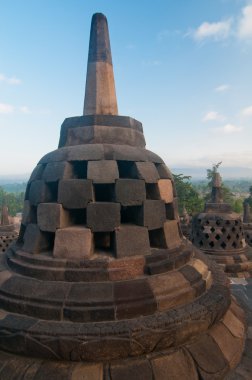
point(101, 283)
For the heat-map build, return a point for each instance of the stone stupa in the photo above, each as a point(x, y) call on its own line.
point(101, 284)
point(218, 232)
point(7, 230)
point(247, 221)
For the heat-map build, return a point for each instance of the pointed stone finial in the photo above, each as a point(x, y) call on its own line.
point(216, 196)
point(246, 212)
point(5, 216)
point(100, 95)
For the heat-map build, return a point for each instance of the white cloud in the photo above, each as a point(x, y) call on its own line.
point(245, 23)
point(229, 128)
point(9, 80)
point(25, 109)
point(247, 111)
point(215, 30)
point(213, 116)
point(222, 88)
point(6, 108)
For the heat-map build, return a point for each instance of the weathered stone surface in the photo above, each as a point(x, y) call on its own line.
point(73, 243)
point(29, 214)
point(152, 214)
point(131, 370)
point(52, 216)
point(55, 171)
point(103, 216)
point(37, 172)
point(137, 244)
point(75, 193)
point(102, 171)
point(146, 171)
point(35, 240)
point(171, 290)
point(163, 171)
point(39, 193)
point(87, 372)
point(176, 366)
point(166, 190)
point(130, 192)
point(171, 233)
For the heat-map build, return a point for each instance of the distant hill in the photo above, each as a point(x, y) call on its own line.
point(14, 178)
point(226, 172)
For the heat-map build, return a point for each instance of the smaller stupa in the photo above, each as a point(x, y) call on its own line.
point(218, 232)
point(185, 222)
point(247, 221)
point(7, 229)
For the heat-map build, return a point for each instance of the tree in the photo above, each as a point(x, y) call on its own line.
point(14, 201)
point(187, 194)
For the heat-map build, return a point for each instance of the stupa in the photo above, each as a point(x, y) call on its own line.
point(7, 230)
point(218, 232)
point(247, 221)
point(101, 284)
point(185, 223)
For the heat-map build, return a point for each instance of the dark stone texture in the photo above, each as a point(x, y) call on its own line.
point(146, 171)
point(152, 214)
point(75, 193)
point(130, 192)
point(39, 192)
point(35, 240)
point(131, 240)
point(131, 370)
point(55, 171)
point(134, 298)
point(103, 216)
point(102, 171)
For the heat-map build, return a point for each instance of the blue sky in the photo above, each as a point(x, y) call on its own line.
point(183, 68)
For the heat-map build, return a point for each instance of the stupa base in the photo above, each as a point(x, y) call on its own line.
point(211, 355)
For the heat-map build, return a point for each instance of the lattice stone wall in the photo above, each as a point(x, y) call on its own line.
point(217, 232)
point(79, 207)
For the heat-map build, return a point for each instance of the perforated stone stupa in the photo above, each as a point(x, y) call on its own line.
point(7, 230)
point(101, 284)
point(218, 232)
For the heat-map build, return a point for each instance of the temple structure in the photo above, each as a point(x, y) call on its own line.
point(185, 222)
point(7, 230)
point(218, 232)
point(247, 221)
point(101, 283)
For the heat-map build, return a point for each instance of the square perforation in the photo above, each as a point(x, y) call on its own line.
point(104, 192)
point(152, 191)
point(80, 169)
point(157, 238)
point(125, 169)
point(78, 216)
point(130, 214)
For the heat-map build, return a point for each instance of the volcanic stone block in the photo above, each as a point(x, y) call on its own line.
point(39, 193)
point(179, 365)
point(146, 171)
point(105, 171)
point(163, 171)
point(52, 216)
point(73, 243)
point(103, 216)
point(131, 240)
point(35, 240)
point(131, 370)
point(171, 233)
point(75, 193)
point(29, 214)
point(166, 190)
point(152, 214)
point(37, 172)
point(130, 192)
point(55, 171)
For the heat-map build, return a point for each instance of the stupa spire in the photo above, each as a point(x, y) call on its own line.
point(100, 95)
point(216, 196)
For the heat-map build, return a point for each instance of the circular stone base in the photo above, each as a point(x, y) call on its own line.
point(209, 356)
